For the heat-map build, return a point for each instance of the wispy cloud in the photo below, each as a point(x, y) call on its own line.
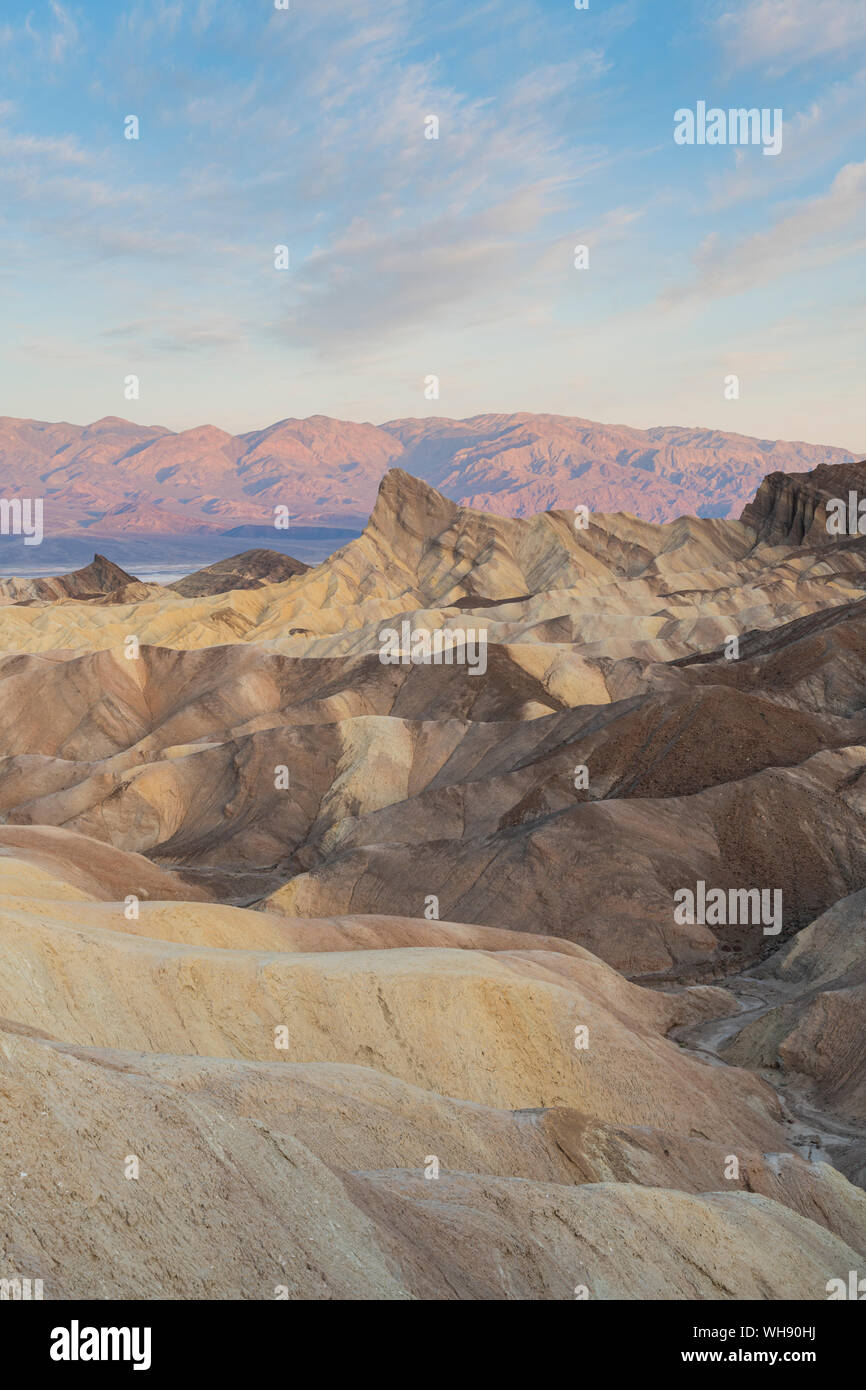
point(52, 31)
point(833, 117)
point(306, 127)
point(779, 34)
point(828, 227)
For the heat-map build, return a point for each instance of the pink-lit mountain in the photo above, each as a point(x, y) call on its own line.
point(114, 477)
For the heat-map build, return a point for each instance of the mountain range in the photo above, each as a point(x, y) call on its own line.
point(114, 478)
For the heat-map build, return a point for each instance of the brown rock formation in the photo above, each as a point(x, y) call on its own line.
point(338, 950)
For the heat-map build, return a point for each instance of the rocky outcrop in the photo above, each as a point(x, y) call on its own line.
point(100, 579)
point(816, 1033)
point(791, 508)
point(250, 570)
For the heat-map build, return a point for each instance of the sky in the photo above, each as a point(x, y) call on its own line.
point(411, 257)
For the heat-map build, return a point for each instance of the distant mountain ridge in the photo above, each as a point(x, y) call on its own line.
point(114, 477)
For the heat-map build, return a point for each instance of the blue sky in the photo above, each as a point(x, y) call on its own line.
point(451, 257)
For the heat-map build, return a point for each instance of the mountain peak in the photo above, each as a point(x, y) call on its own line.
point(409, 507)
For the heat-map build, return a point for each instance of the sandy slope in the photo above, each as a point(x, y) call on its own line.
point(303, 1167)
point(216, 857)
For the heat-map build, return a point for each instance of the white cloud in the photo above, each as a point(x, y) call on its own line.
point(780, 34)
point(63, 149)
point(814, 137)
point(818, 231)
point(54, 35)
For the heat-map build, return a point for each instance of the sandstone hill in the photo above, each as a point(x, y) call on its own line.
point(250, 570)
point(373, 969)
point(100, 579)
